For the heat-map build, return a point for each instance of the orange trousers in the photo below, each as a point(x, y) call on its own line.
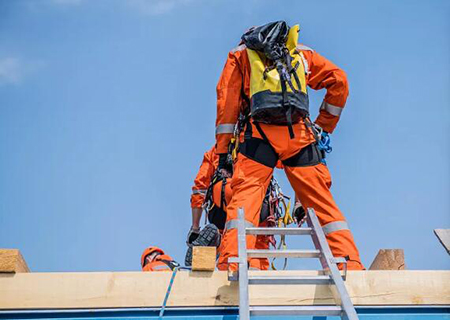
point(311, 185)
point(262, 242)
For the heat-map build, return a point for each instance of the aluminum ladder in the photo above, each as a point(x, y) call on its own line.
point(331, 277)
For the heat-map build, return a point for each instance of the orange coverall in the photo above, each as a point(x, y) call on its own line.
point(311, 183)
point(203, 180)
point(201, 183)
point(157, 264)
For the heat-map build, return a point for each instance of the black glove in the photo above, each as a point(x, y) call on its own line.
point(192, 235)
point(299, 214)
point(224, 167)
point(222, 161)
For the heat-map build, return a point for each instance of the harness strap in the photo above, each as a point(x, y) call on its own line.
point(170, 263)
point(222, 193)
point(310, 126)
point(261, 132)
point(306, 157)
point(289, 122)
point(259, 150)
point(297, 80)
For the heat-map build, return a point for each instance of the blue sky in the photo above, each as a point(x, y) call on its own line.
point(106, 108)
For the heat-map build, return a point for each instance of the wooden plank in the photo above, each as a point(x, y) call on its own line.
point(204, 259)
point(444, 238)
point(147, 289)
point(12, 261)
point(389, 259)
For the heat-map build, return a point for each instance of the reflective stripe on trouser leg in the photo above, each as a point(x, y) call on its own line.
point(311, 184)
point(250, 180)
point(335, 226)
point(233, 224)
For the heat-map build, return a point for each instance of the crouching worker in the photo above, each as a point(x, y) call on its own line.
point(210, 234)
point(212, 191)
point(154, 259)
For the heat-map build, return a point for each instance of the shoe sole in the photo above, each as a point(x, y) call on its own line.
point(208, 237)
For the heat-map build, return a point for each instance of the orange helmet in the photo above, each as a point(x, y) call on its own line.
point(148, 251)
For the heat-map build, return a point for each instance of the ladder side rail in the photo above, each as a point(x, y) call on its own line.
point(338, 288)
point(244, 309)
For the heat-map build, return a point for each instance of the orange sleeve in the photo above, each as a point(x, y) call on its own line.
point(203, 179)
point(228, 102)
point(324, 74)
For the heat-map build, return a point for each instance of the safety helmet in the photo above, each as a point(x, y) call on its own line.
point(148, 251)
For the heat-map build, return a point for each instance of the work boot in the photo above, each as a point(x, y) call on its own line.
point(209, 237)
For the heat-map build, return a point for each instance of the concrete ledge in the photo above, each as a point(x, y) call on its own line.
point(147, 289)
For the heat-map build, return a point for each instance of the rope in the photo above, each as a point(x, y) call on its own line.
point(325, 143)
point(174, 273)
point(282, 215)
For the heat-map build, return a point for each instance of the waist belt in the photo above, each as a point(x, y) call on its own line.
point(261, 151)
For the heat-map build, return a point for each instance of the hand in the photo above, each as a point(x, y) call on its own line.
point(224, 167)
point(192, 235)
point(299, 214)
point(225, 173)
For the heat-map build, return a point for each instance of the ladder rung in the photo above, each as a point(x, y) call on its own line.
point(296, 310)
point(321, 279)
point(279, 231)
point(283, 253)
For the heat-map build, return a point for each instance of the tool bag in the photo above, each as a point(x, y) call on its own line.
point(278, 93)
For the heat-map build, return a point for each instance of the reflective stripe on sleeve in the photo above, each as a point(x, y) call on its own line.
point(233, 224)
point(161, 267)
point(225, 128)
point(335, 226)
point(303, 47)
point(238, 48)
point(199, 191)
point(335, 111)
point(305, 63)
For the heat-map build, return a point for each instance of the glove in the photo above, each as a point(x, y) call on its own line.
point(299, 214)
point(192, 235)
point(222, 161)
point(224, 167)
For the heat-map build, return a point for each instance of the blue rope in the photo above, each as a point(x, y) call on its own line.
point(174, 273)
point(325, 144)
point(163, 308)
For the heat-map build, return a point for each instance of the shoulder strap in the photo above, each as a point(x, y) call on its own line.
point(223, 201)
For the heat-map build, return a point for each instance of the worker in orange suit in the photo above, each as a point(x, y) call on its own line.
point(201, 184)
point(295, 142)
point(154, 259)
point(221, 196)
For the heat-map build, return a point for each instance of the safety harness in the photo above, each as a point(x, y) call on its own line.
point(216, 215)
